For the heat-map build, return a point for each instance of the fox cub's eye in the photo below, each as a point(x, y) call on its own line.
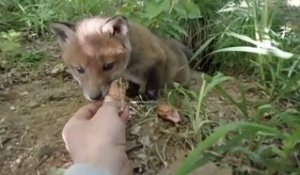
point(79, 70)
point(107, 67)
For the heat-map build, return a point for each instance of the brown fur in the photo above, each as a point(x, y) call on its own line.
point(137, 55)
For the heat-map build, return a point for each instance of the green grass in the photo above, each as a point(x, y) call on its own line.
point(13, 54)
point(246, 37)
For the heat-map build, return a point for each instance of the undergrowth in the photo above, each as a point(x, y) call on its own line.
point(252, 37)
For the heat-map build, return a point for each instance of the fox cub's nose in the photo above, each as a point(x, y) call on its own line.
point(96, 97)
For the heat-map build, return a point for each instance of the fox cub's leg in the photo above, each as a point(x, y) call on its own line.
point(132, 90)
point(152, 84)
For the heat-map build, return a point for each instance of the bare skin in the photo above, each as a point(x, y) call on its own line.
point(95, 135)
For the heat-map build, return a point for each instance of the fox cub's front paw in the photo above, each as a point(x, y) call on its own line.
point(132, 90)
point(150, 94)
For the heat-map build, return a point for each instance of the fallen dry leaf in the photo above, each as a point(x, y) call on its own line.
point(168, 112)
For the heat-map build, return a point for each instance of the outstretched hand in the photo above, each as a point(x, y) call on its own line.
point(96, 135)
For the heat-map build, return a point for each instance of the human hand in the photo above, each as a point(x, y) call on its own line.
point(96, 135)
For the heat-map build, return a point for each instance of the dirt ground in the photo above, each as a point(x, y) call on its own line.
point(34, 112)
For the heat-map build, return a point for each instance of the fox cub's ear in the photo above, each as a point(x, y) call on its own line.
point(63, 31)
point(116, 25)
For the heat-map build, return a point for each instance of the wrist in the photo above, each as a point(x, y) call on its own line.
point(84, 168)
point(109, 159)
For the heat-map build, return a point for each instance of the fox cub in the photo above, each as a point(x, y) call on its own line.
point(99, 50)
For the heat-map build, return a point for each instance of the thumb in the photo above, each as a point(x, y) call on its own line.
point(123, 113)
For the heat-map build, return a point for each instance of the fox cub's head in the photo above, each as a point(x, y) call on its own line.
point(96, 50)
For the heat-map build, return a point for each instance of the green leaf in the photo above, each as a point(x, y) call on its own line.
point(192, 10)
point(180, 10)
point(153, 9)
point(166, 5)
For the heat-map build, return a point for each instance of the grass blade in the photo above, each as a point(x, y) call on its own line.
point(202, 47)
point(262, 51)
